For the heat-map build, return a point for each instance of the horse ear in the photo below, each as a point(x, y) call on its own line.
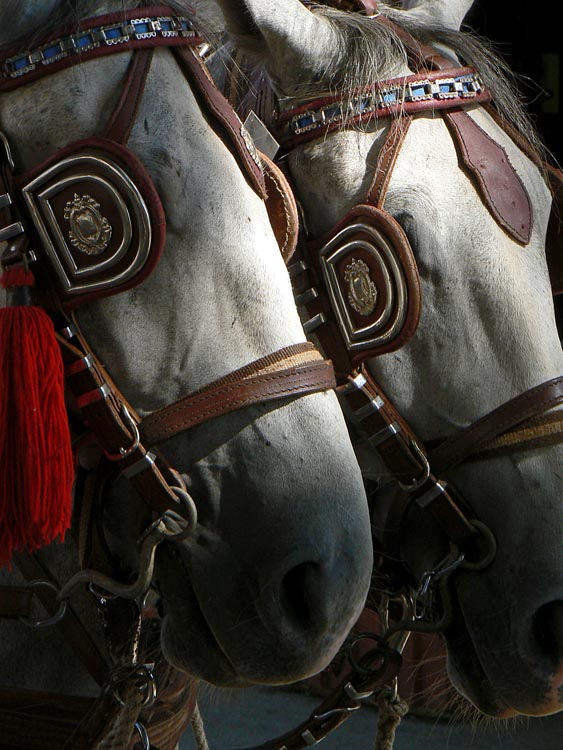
point(292, 35)
point(446, 13)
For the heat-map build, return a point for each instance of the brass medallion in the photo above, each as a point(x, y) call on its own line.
point(362, 291)
point(90, 232)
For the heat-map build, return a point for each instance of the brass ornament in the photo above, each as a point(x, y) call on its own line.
point(90, 232)
point(362, 291)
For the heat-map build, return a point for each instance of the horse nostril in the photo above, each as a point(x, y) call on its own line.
point(299, 593)
point(548, 625)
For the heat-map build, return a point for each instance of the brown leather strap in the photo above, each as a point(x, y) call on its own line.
point(387, 157)
point(223, 115)
point(259, 382)
point(463, 444)
point(76, 55)
point(497, 182)
point(125, 112)
point(102, 406)
point(382, 425)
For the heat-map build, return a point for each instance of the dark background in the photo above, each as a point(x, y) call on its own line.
point(528, 36)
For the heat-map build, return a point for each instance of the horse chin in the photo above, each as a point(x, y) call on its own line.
point(468, 676)
point(497, 695)
point(187, 641)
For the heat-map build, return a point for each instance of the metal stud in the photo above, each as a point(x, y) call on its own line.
point(312, 324)
point(356, 384)
point(434, 492)
point(391, 430)
point(373, 405)
point(310, 295)
point(295, 269)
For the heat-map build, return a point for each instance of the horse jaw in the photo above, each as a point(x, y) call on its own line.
point(446, 13)
point(285, 30)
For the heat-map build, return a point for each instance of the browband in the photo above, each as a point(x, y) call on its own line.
point(98, 36)
point(435, 90)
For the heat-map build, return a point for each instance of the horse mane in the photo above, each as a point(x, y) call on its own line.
point(368, 51)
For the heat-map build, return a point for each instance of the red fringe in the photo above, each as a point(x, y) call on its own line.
point(36, 463)
point(17, 276)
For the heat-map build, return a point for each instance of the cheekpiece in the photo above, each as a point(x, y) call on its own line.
point(98, 217)
point(372, 280)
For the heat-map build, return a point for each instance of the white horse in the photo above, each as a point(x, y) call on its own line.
point(487, 329)
point(278, 568)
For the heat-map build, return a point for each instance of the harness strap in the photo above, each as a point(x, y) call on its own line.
point(262, 381)
point(223, 114)
point(125, 113)
point(99, 36)
point(73, 630)
point(387, 158)
point(526, 405)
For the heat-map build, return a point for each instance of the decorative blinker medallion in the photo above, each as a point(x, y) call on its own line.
point(362, 292)
point(98, 217)
point(90, 232)
point(370, 275)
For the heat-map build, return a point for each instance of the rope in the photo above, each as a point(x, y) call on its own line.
point(199, 730)
point(391, 711)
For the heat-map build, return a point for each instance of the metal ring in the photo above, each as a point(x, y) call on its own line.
point(484, 530)
point(54, 619)
point(352, 659)
point(147, 685)
point(124, 452)
point(143, 734)
point(416, 484)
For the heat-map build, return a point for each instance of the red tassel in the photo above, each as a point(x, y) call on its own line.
point(36, 464)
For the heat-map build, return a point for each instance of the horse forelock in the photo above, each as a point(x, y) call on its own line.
point(367, 52)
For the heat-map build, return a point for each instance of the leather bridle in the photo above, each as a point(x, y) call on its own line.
point(127, 442)
point(421, 472)
point(525, 421)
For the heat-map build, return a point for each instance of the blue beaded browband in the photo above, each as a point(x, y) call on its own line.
point(120, 32)
point(436, 90)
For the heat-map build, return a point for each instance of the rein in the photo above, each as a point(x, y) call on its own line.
point(128, 443)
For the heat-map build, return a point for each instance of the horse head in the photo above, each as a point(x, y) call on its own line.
point(267, 586)
point(487, 330)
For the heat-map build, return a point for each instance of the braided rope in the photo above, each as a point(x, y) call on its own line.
point(199, 730)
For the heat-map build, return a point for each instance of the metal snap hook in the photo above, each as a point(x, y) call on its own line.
point(416, 484)
point(124, 452)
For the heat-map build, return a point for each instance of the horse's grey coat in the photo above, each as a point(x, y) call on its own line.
point(487, 333)
point(279, 567)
